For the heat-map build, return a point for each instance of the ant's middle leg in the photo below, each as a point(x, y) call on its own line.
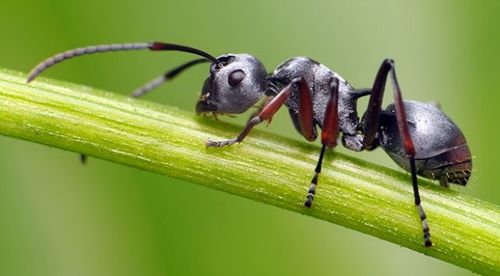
point(329, 132)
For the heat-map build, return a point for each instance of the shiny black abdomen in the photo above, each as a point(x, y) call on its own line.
point(441, 150)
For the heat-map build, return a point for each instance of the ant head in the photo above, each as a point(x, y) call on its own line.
point(236, 82)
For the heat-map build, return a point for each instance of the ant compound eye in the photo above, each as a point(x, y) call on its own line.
point(236, 77)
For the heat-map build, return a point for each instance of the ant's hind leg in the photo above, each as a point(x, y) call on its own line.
point(371, 127)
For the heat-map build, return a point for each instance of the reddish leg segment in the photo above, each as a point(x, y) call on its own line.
point(329, 134)
point(371, 126)
point(305, 115)
point(266, 113)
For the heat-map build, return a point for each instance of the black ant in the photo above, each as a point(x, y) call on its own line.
point(419, 137)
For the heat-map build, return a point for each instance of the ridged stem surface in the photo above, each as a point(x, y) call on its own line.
point(265, 167)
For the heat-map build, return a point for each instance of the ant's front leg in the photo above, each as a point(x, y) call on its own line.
point(265, 114)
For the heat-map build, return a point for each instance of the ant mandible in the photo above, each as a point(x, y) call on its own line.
point(419, 137)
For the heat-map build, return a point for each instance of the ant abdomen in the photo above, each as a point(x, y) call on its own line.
point(441, 150)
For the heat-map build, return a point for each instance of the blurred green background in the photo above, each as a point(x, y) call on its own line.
point(60, 218)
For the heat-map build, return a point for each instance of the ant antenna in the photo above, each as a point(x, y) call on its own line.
point(165, 77)
point(153, 46)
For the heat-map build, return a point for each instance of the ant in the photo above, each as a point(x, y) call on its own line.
point(419, 137)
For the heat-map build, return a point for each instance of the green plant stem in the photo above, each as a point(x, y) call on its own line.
point(266, 168)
